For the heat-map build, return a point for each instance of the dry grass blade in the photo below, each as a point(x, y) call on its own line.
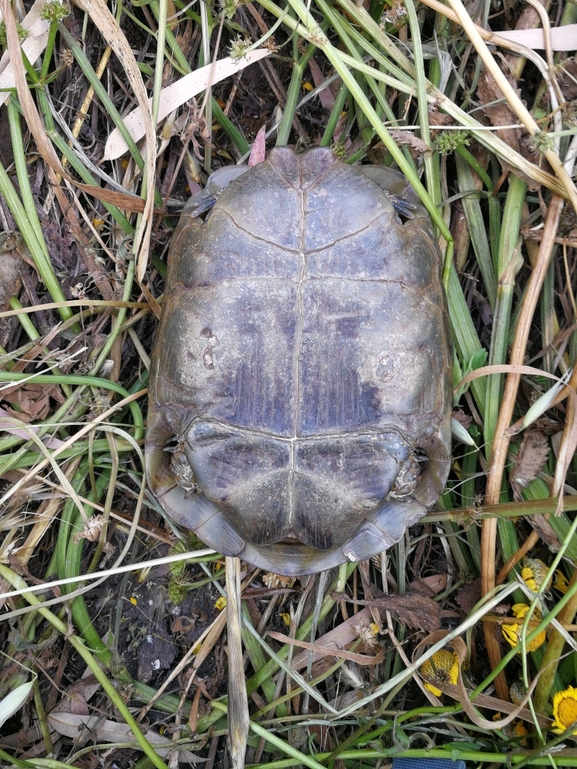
point(238, 719)
point(116, 39)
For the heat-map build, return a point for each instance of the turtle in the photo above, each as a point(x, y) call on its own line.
point(301, 378)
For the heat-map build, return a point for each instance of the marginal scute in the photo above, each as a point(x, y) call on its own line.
point(302, 368)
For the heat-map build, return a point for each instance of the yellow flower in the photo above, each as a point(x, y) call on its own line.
point(220, 603)
point(512, 630)
point(565, 710)
point(520, 732)
point(534, 573)
point(442, 668)
point(561, 582)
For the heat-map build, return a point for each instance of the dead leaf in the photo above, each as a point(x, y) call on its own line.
point(543, 528)
point(343, 635)
point(468, 595)
point(258, 149)
point(77, 696)
point(429, 586)
point(438, 119)
point(462, 418)
point(321, 650)
point(496, 109)
point(36, 126)
point(416, 146)
point(416, 611)
point(327, 95)
point(32, 400)
point(562, 38)
point(105, 730)
point(532, 455)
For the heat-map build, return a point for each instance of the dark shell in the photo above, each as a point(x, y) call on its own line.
point(302, 371)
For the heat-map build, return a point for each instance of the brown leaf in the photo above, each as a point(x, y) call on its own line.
point(532, 456)
point(496, 109)
point(567, 78)
point(468, 595)
point(416, 611)
point(258, 151)
point(543, 528)
point(462, 418)
point(429, 586)
point(32, 400)
point(327, 95)
point(331, 651)
point(416, 146)
point(344, 634)
point(438, 118)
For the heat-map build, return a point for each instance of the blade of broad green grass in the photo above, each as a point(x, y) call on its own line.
point(266, 672)
point(509, 263)
point(301, 682)
point(17, 762)
point(328, 135)
point(458, 547)
point(485, 605)
point(555, 611)
point(513, 99)
point(554, 651)
point(284, 747)
point(348, 35)
point(24, 320)
point(230, 129)
point(25, 213)
point(469, 469)
point(477, 228)
point(438, 98)
point(294, 89)
point(74, 400)
point(435, 97)
point(464, 334)
point(206, 27)
point(464, 153)
point(25, 459)
point(120, 318)
point(70, 446)
point(258, 660)
point(431, 168)
point(68, 560)
point(160, 10)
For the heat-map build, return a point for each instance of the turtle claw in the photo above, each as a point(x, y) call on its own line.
point(403, 207)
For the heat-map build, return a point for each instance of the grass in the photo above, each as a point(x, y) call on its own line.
point(404, 84)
